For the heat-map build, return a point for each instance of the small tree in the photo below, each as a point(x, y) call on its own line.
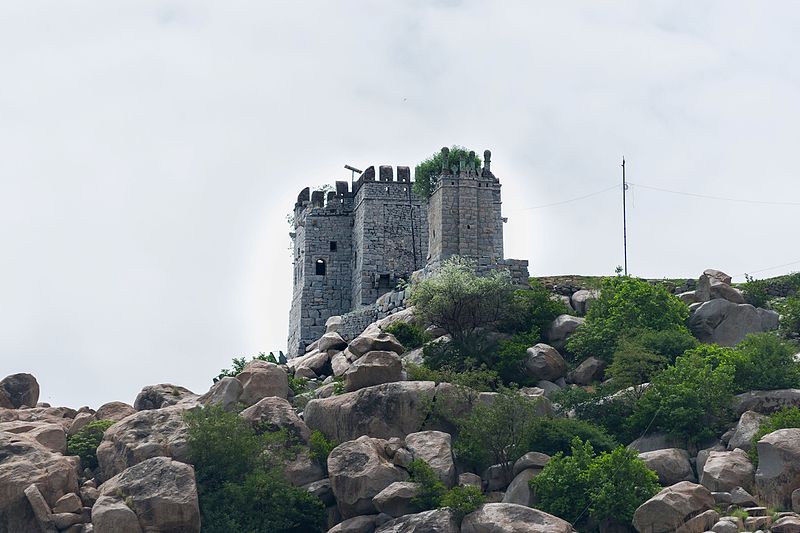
point(427, 172)
point(84, 443)
point(766, 362)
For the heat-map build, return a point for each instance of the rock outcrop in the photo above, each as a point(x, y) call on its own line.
point(512, 518)
point(778, 473)
point(672, 508)
point(18, 390)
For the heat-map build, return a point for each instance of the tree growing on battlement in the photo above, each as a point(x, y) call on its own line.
point(427, 172)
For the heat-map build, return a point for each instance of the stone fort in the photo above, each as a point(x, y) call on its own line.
point(355, 244)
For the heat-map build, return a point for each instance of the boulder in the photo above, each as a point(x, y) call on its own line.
point(469, 479)
point(787, 524)
point(51, 436)
point(655, 441)
point(339, 364)
point(359, 470)
point(726, 526)
point(544, 362)
point(301, 469)
point(161, 492)
point(162, 395)
point(19, 390)
point(767, 402)
point(724, 471)
point(498, 477)
point(41, 511)
point(688, 297)
point(25, 462)
point(434, 447)
point(436, 521)
point(115, 411)
point(111, 515)
point(395, 500)
point(68, 503)
point(672, 508)
point(375, 342)
point(316, 361)
point(383, 411)
point(261, 379)
point(225, 393)
point(708, 278)
point(273, 414)
point(747, 427)
point(726, 323)
point(146, 434)
point(589, 371)
point(533, 460)
point(331, 341)
point(79, 422)
point(519, 491)
point(357, 524)
point(333, 324)
point(512, 518)
point(415, 356)
point(561, 328)
point(672, 465)
point(582, 300)
point(778, 473)
point(374, 368)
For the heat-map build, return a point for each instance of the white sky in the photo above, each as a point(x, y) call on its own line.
point(151, 151)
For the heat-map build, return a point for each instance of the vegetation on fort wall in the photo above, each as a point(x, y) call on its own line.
point(428, 171)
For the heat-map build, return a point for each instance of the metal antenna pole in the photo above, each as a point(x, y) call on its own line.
point(624, 217)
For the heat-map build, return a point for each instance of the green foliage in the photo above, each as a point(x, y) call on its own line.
point(298, 385)
point(610, 486)
point(320, 447)
point(552, 435)
point(338, 385)
point(430, 489)
point(755, 291)
point(790, 316)
point(690, 399)
point(625, 304)
point(465, 305)
point(463, 500)
point(788, 417)
point(606, 407)
point(763, 361)
point(84, 443)
point(497, 433)
point(481, 380)
point(428, 171)
point(411, 336)
point(238, 364)
point(532, 310)
point(239, 477)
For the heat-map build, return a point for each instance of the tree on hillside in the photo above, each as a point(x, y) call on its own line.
point(426, 173)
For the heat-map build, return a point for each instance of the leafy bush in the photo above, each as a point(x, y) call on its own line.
point(765, 362)
point(427, 172)
point(430, 489)
point(626, 304)
point(553, 435)
point(755, 291)
point(510, 357)
point(481, 380)
point(788, 417)
point(690, 399)
point(609, 486)
point(465, 305)
point(320, 447)
point(604, 406)
point(790, 316)
point(532, 310)
point(84, 443)
point(411, 336)
point(239, 477)
point(497, 433)
point(463, 500)
point(298, 385)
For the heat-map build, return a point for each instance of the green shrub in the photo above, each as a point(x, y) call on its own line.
point(604, 406)
point(625, 304)
point(430, 489)
point(511, 355)
point(691, 399)
point(755, 291)
point(606, 487)
point(790, 316)
point(463, 500)
point(411, 336)
point(765, 362)
point(84, 443)
point(240, 483)
point(553, 435)
point(481, 380)
point(298, 385)
point(427, 172)
point(788, 417)
point(532, 310)
point(238, 364)
point(320, 447)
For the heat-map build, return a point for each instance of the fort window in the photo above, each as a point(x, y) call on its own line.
point(320, 267)
point(333, 246)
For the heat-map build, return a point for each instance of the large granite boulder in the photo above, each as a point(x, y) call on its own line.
point(726, 323)
point(561, 328)
point(225, 393)
point(778, 473)
point(747, 427)
point(273, 414)
point(162, 395)
point(383, 411)
point(672, 508)
point(519, 490)
point(51, 436)
point(359, 470)
point(374, 368)
point(331, 341)
point(261, 379)
point(357, 524)
point(161, 493)
point(589, 371)
point(544, 362)
point(17, 390)
point(512, 518)
point(25, 462)
point(724, 471)
point(115, 411)
point(434, 447)
point(146, 434)
point(581, 300)
point(767, 402)
point(395, 500)
point(111, 515)
point(375, 341)
point(671, 464)
point(436, 521)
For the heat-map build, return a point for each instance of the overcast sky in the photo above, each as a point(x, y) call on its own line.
point(152, 150)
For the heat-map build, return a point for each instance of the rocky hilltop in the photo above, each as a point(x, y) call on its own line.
point(368, 399)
